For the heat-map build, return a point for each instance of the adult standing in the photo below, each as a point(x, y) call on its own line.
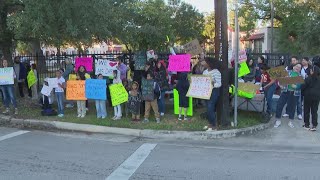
point(69, 69)
point(213, 66)
point(258, 68)
point(21, 74)
point(311, 91)
point(305, 71)
point(122, 68)
point(8, 93)
point(161, 78)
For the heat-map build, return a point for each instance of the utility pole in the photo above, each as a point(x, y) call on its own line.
point(272, 25)
point(221, 53)
point(236, 64)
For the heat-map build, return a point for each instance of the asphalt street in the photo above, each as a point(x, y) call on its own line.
point(282, 153)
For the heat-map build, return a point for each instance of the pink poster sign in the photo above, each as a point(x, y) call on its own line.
point(84, 61)
point(179, 63)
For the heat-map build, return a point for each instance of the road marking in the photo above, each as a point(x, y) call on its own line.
point(129, 166)
point(11, 135)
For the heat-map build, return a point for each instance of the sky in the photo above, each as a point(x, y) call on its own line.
point(202, 5)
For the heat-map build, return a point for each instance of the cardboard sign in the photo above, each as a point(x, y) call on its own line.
point(46, 90)
point(6, 76)
point(53, 82)
point(243, 70)
point(278, 72)
point(105, 67)
point(147, 90)
point(118, 94)
point(84, 61)
point(31, 78)
point(291, 80)
point(193, 48)
point(96, 89)
point(200, 87)
point(242, 56)
point(248, 87)
point(140, 59)
point(76, 90)
point(179, 63)
point(72, 77)
point(176, 104)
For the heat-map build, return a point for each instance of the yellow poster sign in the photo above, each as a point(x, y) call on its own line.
point(118, 94)
point(31, 78)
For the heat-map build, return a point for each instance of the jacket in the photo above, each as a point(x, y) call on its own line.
point(311, 88)
point(22, 72)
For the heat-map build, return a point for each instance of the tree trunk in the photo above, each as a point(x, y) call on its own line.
point(7, 52)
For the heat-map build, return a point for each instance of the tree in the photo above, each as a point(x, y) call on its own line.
point(7, 8)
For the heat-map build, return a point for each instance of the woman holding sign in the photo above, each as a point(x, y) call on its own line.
point(212, 66)
point(117, 108)
point(81, 105)
point(161, 78)
point(8, 93)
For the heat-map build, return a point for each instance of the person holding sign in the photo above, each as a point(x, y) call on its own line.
point(117, 108)
point(81, 105)
point(182, 88)
point(151, 98)
point(8, 93)
point(269, 86)
point(212, 66)
point(34, 86)
point(59, 92)
point(161, 78)
point(289, 96)
point(101, 105)
point(134, 101)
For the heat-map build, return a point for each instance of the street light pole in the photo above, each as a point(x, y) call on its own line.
point(236, 65)
point(272, 24)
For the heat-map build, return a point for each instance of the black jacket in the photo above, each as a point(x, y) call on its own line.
point(311, 88)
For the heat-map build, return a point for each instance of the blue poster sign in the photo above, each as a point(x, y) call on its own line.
point(96, 89)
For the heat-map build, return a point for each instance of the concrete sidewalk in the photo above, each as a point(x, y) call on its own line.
point(162, 134)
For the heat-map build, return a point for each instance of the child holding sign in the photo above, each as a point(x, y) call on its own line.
point(152, 103)
point(182, 88)
point(81, 105)
point(59, 92)
point(134, 101)
point(117, 108)
point(101, 105)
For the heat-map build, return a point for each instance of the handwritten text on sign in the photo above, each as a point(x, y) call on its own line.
point(179, 63)
point(118, 94)
point(46, 90)
point(278, 72)
point(105, 67)
point(96, 89)
point(6, 76)
point(200, 87)
point(193, 47)
point(76, 90)
point(147, 90)
point(84, 61)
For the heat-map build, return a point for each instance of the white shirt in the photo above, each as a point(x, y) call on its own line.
point(60, 81)
point(216, 77)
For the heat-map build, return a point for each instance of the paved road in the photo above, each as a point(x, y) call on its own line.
point(273, 154)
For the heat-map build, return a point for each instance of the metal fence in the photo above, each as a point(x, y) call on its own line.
point(273, 60)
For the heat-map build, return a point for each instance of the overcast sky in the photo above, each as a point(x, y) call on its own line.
point(202, 5)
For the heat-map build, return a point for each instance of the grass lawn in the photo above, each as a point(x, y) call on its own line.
point(29, 110)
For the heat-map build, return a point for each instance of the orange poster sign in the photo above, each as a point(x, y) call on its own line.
point(76, 90)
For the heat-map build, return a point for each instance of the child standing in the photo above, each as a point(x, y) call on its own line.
point(34, 87)
point(101, 105)
point(134, 101)
point(59, 92)
point(81, 105)
point(117, 109)
point(311, 91)
point(152, 103)
point(182, 88)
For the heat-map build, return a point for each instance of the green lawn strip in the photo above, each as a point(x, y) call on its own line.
point(31, 111)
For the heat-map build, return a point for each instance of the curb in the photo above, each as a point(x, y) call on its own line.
point(162, 134)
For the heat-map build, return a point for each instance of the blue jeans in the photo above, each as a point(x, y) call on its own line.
point(269, 97)
point(60, 100)
point(211, 106)
point(101, 108)
point(161, 102)
point(8, 95)
point(289, 99)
